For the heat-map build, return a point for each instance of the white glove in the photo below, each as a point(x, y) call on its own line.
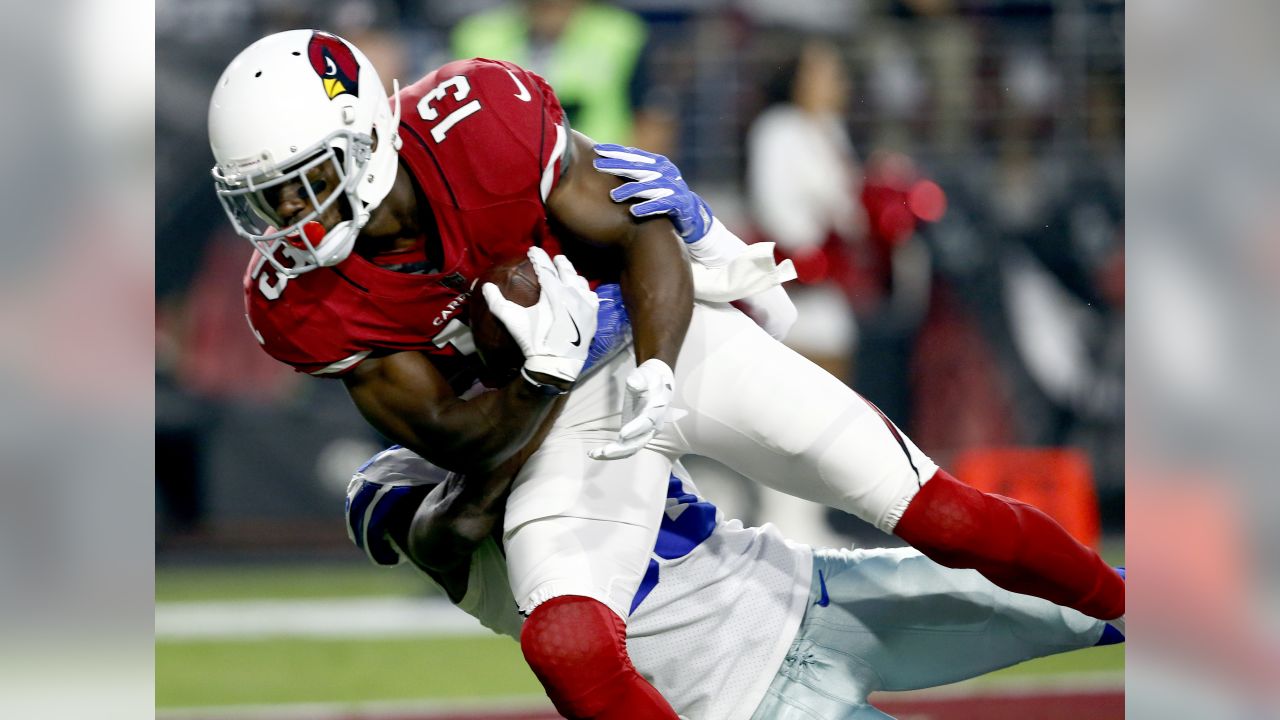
point(645, 407)
point(555, 333)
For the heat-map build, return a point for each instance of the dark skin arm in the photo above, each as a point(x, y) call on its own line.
point(407, 399)
point(404, 395)
point(658, 287)
point(460, 513)
point(657, 284)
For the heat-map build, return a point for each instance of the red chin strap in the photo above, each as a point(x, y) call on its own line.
point(314, 232)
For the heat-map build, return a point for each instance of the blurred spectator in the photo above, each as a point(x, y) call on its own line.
point(891, 283)
point(896, 87)
point(804, 181)
point(590, 52)
point(852, 237)
point(950, 55)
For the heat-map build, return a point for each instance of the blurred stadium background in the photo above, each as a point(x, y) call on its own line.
point(987, 318)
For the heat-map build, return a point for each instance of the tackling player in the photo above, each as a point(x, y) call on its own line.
point(731, 622)
point(370, 231)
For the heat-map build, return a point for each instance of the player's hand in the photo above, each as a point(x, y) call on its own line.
point(645, 407)
point(657, 181)
point(555, 333)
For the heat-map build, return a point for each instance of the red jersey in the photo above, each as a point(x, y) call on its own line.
point(484, 141)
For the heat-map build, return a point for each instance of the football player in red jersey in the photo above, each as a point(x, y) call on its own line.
point(470, 176)
point(370, 230)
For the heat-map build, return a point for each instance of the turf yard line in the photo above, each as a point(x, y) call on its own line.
point(332, 618)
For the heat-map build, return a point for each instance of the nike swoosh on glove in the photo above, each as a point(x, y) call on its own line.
point(646, 406)
point(554, 333)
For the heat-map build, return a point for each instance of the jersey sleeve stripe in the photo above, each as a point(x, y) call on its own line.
point(549, 172)
point(344, 364)
point(434, 160)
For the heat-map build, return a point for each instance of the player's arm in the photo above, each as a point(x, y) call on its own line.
point(657, 287)
point(656, 283)
point(660, 187)
point(410, 402)
point(460, 513)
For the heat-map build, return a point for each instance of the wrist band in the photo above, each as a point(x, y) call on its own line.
point(718, 247)
point(543, 388)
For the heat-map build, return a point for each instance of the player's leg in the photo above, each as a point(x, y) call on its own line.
point(578, 534)
point(919, 624)
point(891, 619)
point(1013, 544)
point(767, 412)
point(574, 639)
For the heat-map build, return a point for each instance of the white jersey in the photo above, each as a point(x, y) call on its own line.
point(717, 610)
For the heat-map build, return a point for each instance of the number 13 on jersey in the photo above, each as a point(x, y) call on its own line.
point(461, 89)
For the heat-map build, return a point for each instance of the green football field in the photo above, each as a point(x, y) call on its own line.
point(319, 670)
point(210, 671)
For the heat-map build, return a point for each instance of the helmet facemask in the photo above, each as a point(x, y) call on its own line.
point(244, 198)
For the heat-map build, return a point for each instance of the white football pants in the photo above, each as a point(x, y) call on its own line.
point(577, 526)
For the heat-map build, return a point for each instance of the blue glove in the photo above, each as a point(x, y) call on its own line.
point(612, 326)
point(657, 181)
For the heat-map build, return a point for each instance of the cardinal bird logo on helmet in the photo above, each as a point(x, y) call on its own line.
point(336, 65)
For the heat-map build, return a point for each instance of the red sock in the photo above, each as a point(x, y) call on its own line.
point(1013, 544)
point(577, 648)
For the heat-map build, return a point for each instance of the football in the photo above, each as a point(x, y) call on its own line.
point(499, 353)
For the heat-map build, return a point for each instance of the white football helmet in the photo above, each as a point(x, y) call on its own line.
point(289, 103)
